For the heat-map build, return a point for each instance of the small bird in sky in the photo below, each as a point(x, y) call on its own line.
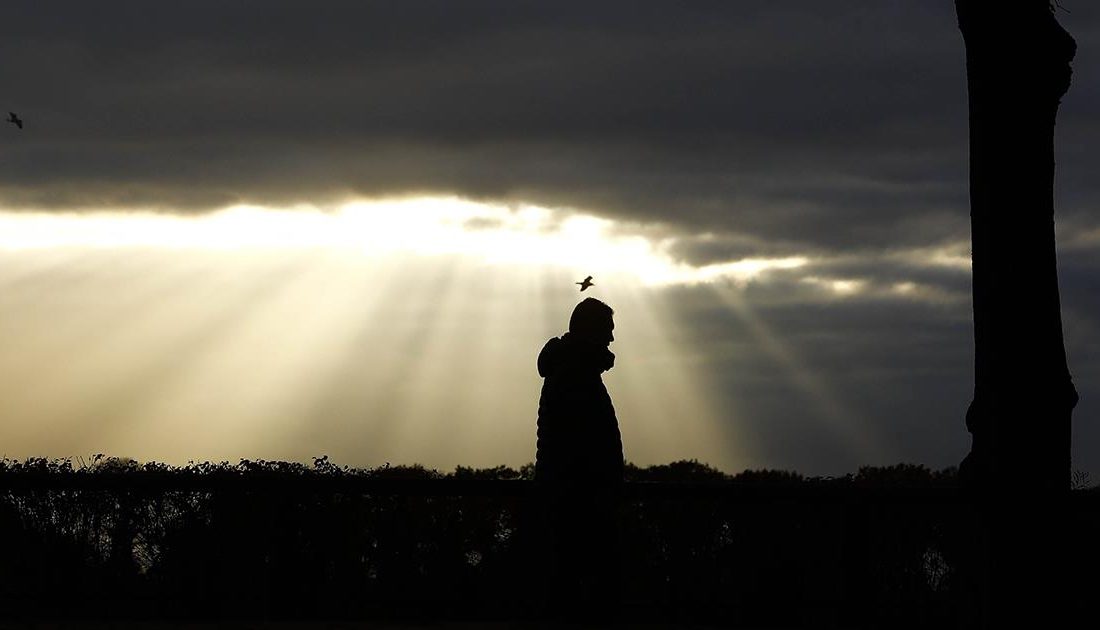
point(586, 283)
point(15, 120)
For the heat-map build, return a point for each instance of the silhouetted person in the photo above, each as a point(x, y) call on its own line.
point(579, 464)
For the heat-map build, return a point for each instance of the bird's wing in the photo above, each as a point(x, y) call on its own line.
point(589, 278)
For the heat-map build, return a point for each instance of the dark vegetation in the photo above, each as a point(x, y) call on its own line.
point(115, 539)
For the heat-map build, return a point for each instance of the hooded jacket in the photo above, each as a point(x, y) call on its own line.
point(578, 434)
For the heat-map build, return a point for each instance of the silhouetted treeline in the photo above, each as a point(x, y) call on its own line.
point(261, 539)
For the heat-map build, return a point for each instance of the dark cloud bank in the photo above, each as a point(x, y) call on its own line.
point(828, 128)
point(833, 125)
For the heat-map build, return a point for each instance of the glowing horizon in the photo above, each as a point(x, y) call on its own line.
point(423, 226)
point(401, 330)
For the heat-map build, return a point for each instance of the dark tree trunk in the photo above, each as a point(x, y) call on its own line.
point(1017, 62)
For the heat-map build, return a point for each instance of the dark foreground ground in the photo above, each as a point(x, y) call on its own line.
point(276, 545)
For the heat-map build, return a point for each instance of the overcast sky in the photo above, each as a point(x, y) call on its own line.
point(828, 140)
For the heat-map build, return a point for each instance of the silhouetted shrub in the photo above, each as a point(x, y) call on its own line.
point(768, 476)
point(499, 472)
point(908, 475)
point(681, 471)
point(261, 538)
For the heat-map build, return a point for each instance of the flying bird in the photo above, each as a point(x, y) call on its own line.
point(586, 283)
point(15, 120)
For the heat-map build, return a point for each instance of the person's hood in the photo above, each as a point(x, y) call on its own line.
point(568, 353)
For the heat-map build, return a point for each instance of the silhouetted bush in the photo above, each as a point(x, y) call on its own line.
point(681, 471)
point(768, 476)
point(114, 537)
point(905, 475)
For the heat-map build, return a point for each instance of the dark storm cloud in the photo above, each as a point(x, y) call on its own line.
point(827, 124)
point(709, 248)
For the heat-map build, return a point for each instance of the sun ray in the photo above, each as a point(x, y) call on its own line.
point(665, 402)
point(382, 330)
point(481, 360)
point(439, 369)
point(344, 407)
point(858, 434)
point(92, 351)
point(186, 381)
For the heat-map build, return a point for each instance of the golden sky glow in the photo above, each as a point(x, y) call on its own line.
point(524, 235)
point(400, 330)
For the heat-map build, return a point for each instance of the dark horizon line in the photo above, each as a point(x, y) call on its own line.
point(60, 471)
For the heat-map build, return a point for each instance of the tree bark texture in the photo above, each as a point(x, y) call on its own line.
point(1018, 68)
point(1017, 61)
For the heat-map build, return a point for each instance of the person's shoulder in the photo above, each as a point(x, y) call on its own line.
point(550, 357)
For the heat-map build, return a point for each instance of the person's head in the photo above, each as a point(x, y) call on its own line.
point(591, 321)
